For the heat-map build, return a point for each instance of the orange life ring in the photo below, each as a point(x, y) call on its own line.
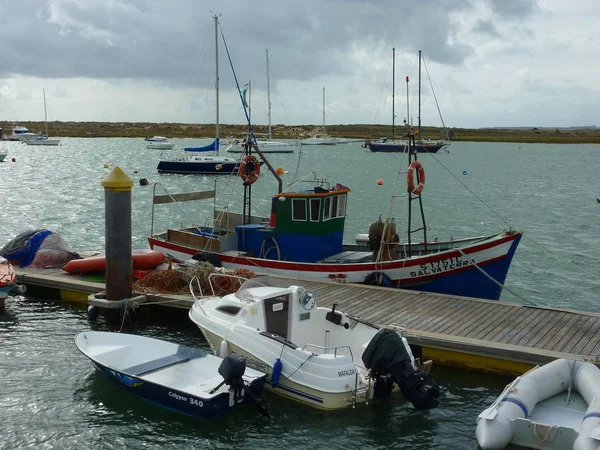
point(416, 165)
point(249, 169)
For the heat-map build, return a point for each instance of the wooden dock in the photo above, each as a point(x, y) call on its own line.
point(483, 335)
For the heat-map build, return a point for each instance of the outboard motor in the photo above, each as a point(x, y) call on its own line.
point(232, 369)
point(389, 362)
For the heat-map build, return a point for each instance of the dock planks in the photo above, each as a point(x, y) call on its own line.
point(493, 329)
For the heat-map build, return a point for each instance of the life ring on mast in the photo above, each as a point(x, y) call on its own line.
point(410, 181)
point(249, 169)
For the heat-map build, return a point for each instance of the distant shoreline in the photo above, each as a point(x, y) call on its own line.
point(571, 135)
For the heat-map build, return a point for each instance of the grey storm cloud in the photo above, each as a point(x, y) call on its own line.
point(147, 39)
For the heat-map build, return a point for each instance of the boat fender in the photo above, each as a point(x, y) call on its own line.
point(410, 181)
point(224, 349)
point(18, 289)
point(93, 312)
point(276, 375)
point(378, 279)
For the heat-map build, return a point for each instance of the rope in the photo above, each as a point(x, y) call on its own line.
point(496, 281)
point(545, 438)
point(298, 368)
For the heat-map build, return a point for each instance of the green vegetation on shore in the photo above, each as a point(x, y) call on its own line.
point(178, 130)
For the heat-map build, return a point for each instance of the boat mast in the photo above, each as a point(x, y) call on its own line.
point(419, 116)
point(393, 91)
point(268, 94)
point(217, 77)
point(412, 156)
point(324, 134)
point(45, 115)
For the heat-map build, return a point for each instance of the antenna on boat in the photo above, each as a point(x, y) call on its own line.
point(412, 158)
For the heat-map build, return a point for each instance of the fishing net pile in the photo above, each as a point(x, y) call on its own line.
point(178, 281)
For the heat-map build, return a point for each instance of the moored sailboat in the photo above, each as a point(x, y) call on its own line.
point(43, 140)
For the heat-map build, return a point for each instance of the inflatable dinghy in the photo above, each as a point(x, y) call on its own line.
point(555, 406)
point(142, 260)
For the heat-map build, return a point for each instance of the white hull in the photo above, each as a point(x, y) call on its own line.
point(267, 147)
point(160, 145)
point(39, 141)
point(556, 406)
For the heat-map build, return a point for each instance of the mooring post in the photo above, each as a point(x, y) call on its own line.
point(117, 208)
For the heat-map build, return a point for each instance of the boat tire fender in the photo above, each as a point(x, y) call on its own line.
point(378, 279)
point(410, 181)
point(249, 169)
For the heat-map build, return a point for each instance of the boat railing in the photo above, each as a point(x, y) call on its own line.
point(192, 285)
point(311, 178)
point(327, 350)
point(213, 276)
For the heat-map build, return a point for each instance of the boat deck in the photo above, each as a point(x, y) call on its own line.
point(484, 335)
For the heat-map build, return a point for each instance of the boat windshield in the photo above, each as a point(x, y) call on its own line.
point(244, 293)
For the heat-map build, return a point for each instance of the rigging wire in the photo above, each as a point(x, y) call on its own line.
point(434, 97)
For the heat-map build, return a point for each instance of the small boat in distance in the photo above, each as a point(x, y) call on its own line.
point(554, 406)
point(43, 140)
point(184, 379)
point(393, 145)
point(3, 154)
point(322, 139)
point(20, 133)
point(204, 160)
point(159, 143)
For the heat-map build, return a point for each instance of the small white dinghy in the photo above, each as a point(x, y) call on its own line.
point(188, 380)
point(552, 407)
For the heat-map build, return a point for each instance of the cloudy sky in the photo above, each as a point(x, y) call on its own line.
point(490, 62)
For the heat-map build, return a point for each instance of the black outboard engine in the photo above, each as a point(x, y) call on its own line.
point(389, 363)
point(232, 369)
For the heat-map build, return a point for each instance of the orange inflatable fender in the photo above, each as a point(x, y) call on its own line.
point(410, 180)
point(249, 169)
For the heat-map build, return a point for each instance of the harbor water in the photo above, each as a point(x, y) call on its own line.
point(51, 397)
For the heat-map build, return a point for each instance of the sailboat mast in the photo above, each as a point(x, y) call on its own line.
point(268, 94)
point(45, 114)
point(393, 91)
point(324, 111)
point(217, 78)
point(420, 137)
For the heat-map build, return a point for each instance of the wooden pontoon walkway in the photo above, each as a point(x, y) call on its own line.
point(462, 332)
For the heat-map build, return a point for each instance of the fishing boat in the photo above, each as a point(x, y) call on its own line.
point(184, 379)
point(205, 159)
point(552, 407)
point(159, 143)
point(268, 145)
point(304, 237)
point(322, 139)
point(319, 357)
point(43, 140)
point(8, 279)
point(402, 145)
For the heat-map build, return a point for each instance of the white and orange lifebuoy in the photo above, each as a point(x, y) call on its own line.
point(249, 169)
point(410, 181)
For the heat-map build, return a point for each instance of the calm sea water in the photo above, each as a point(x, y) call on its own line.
point(50, 396)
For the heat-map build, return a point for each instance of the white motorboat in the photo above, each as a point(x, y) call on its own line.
point(552, 407)
point(159, 143)
point(183, 379)
point(266, 147)
point(20, 133)
point(317, 356)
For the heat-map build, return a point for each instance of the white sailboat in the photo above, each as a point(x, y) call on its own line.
point(43, 140)
point(323, 139)
point(204, 160)
point(267, 146)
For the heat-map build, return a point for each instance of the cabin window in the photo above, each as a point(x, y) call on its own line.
point(229, 309)
point(334, 206)
point(326, 208)
point(299, 209)
point(342, 206)
point(315, 209)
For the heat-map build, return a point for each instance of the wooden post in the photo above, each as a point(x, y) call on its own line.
point(117, 207)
